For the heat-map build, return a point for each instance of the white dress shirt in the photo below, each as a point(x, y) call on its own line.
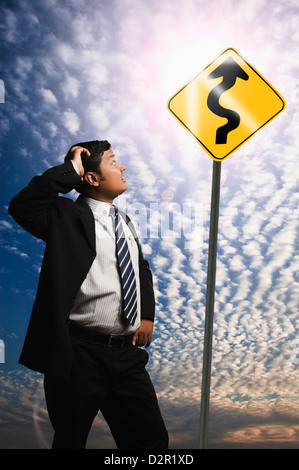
point(98, 304)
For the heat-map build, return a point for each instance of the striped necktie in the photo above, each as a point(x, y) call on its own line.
point(126, 270)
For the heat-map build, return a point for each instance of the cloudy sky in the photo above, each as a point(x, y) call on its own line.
point(104, 69)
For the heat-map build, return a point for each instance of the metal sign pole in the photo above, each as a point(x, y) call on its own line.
point(261, 102)
point(208, 334)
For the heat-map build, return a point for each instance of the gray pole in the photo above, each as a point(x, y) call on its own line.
point(208, 335)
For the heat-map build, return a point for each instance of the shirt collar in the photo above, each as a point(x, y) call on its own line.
point(99, 208)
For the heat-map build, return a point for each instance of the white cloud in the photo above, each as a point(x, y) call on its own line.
point(71, 87)
point(71, 121)
point(97, 116)
point(10, 32)
point(48, 96)
point(23, 66)
point(66, 53)
point(5, 225)
point(15, 250)
point(95, 77)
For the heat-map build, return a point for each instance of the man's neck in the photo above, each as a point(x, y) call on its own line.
point(97, 197)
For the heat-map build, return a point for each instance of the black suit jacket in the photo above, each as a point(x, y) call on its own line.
point(68, 229)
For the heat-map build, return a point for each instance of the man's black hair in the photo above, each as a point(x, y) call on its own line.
point(92, 162)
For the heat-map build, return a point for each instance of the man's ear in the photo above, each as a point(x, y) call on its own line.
point(92, 178)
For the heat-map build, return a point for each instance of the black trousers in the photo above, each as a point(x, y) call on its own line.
point(115, 382)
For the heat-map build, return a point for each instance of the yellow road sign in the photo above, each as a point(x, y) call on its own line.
point(225, 104)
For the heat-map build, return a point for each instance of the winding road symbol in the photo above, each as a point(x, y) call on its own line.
point(230, 71)
point(225, 104)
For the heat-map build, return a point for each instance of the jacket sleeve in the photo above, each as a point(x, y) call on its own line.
point(146, 280)
point(33, 207)
point(147, 291)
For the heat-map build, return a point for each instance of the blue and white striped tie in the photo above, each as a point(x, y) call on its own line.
point(126, 270)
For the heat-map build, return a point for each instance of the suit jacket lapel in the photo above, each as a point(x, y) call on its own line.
point(87, 220)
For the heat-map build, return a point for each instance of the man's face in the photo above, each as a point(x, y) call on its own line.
point(114, 183)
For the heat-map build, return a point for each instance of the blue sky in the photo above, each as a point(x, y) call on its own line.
point(80, 70)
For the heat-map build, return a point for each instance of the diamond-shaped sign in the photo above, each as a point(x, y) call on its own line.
point(225, 104)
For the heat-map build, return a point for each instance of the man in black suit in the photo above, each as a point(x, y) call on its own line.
point(78, 335)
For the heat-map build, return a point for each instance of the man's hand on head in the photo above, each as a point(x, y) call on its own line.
point(76, 152)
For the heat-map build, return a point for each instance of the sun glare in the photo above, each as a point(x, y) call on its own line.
point(186, 61)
